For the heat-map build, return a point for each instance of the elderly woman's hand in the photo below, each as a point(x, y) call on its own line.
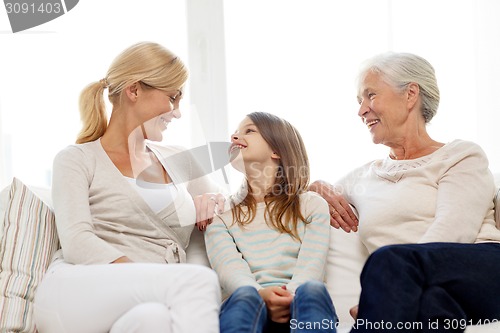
point(206, 205)
point(354, 312)
point(341, 213)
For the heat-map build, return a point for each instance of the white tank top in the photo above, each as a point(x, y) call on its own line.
point(157, 196)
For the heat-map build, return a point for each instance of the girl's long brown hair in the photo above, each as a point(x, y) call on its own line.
point(292, 179)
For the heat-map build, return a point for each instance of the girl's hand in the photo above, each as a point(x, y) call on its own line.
point(205, 205)
point(341, 214)
point(278, 301)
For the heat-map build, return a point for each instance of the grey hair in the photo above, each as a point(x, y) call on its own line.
point(401, 69)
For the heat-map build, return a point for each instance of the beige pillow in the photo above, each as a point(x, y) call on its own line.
point(26, 247)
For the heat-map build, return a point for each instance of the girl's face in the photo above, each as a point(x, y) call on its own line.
point(249, 152)
point(382, 109)
point(160, 107)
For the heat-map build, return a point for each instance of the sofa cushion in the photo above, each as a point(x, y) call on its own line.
point(196, 253)
point(346, 257)
point(26, 247)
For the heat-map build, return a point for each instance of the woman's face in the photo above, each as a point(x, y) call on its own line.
point(249, 151)
point(160, 107)
point(383, 109)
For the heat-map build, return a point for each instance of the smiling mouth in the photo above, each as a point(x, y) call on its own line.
point(234, 148)
point(371, 123)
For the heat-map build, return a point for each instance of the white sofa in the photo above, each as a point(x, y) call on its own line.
point(345, 261)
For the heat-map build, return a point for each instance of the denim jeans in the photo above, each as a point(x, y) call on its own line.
point(311, 311)
point(433, 287)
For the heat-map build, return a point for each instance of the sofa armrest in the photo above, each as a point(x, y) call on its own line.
point(196, 252)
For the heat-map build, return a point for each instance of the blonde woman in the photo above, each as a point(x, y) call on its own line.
point(124, 211)
point(270, 248)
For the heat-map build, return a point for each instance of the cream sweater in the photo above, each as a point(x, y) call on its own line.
point(260, 256)
point(100, 217)
point(446, 196)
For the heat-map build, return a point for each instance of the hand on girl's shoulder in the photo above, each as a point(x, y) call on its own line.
point(313, 198)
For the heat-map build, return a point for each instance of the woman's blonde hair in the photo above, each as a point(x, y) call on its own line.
point(292, 178)
point(145, 62)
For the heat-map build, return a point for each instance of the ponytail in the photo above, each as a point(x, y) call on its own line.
point(92, 113)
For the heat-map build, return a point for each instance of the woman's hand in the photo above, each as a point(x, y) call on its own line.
point(278, 302)
point(354, 312)
point(122, 260)
point(205, 208)
point(341, 214)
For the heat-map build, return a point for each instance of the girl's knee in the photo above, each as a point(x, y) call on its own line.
point(247, 293)
point(312, 290)
point(246, 296)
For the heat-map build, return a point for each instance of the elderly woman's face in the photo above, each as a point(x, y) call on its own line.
point(383, 109)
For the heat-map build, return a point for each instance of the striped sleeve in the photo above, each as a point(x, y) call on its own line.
point(311, 260)
point(224, 257)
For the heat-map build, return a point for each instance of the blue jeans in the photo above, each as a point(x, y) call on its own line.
point(433, 287)
point(245, 311)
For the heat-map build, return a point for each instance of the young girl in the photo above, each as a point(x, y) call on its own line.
point(270, 248)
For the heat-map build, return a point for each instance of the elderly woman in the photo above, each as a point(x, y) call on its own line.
point(425, 210)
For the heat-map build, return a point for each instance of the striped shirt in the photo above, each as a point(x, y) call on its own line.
point(258, 255)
